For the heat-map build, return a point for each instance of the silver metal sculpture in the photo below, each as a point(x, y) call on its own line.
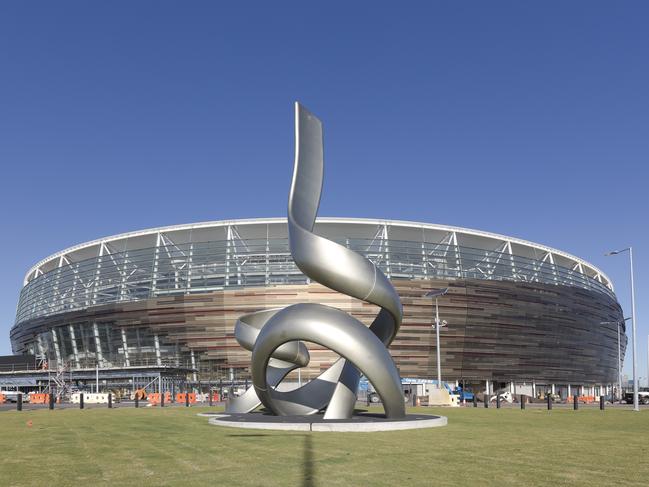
point(273, 336)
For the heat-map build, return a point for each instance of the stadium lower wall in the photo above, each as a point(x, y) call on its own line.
point(498, 330)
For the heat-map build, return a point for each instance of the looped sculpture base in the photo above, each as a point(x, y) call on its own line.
point(360, 423)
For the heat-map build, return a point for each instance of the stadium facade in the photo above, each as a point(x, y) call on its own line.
point(517, 311)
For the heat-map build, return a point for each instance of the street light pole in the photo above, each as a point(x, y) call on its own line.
point(619, 364)
point(633, 325)
point(436, 294)
point(636, 406)
point(439, 365)
point(619, 353)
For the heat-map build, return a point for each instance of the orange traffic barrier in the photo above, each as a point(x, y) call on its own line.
point(586, 399)
point(154, 398)
point(2, 398)
point(181, 397)
point(36, 398)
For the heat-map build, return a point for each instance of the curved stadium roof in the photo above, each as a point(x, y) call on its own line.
point(334, 228)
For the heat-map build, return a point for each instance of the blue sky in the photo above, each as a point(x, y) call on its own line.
point(528, 119)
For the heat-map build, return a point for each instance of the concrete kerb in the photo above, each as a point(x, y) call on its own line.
point(359, 424)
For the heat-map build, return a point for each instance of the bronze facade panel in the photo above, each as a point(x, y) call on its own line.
point(498, 330)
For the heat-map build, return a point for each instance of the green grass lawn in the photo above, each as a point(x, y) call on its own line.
point(173, 446)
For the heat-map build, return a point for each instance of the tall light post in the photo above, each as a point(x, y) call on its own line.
point(619, 353)
point(633, 323)
point(436, 293)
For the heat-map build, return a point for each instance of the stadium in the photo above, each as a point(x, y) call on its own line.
point(164, 302)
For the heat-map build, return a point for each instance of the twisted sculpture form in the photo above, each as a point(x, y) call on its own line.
point(273, 335)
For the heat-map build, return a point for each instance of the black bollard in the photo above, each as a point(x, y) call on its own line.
point(601, 403)
point(187, 399)
point(110, 400)
point(475, 401)
point(137, 400)
point(162, 399)
point(486, 402)
point(19, 402)
point(549, 402)
point(575, 402)
point(81, 400)
point(498, 401)
point(51, 401)
point(522, 401)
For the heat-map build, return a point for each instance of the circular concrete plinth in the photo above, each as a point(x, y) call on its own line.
point(362, 422)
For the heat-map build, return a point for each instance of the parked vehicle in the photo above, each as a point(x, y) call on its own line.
point(643, 396)
point(12, 396)
point(463, 395)
point(504, 396)
point(555, 397)
point(373, 397)
point(418, 387)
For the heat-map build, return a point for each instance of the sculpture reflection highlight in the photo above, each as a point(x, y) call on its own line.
point(273, 336)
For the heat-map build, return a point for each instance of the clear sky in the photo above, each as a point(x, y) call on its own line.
point(528, 119)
